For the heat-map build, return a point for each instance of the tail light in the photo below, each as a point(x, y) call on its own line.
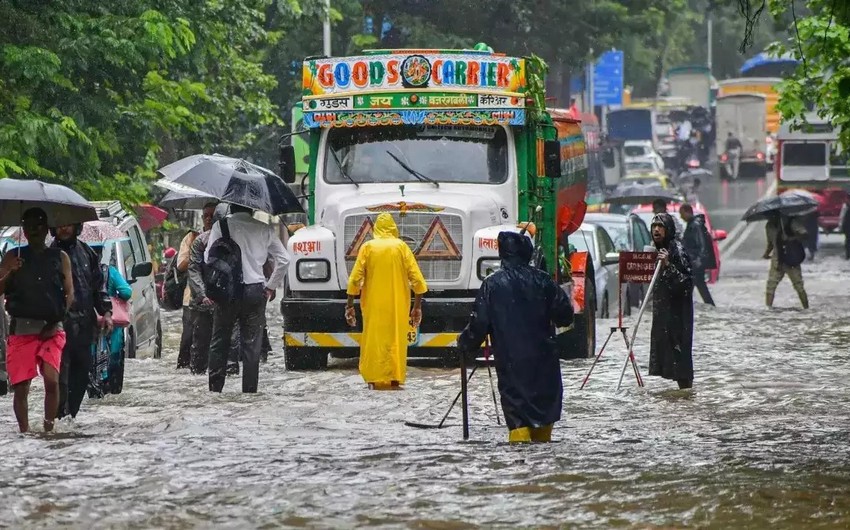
point(760, 155)
point(724, 157)
point(693, 162)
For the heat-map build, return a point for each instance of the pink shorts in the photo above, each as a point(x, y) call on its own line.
point(25, 353)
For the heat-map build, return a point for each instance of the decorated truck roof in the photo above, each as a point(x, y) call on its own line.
point(414, 87)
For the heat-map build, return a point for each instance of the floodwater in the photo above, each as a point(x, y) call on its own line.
point(761, 442)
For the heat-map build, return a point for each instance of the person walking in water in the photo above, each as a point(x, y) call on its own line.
point(39, 289)
point(204, 307)
point(90, 300)
point(518, 307)
point(671, 338)
point(697, 244)
point(383, 276)
point(785, 250)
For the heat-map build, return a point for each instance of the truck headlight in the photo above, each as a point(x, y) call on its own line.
point(487, 266)
point(313, 270)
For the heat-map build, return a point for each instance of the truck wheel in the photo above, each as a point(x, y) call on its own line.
point(301, 358)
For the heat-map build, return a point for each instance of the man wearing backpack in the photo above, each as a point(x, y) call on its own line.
point(786, 252)
point(238, 247)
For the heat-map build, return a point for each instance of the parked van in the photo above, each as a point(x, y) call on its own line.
point(144, 335)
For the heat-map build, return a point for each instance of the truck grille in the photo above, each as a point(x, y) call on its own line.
point(435, 238)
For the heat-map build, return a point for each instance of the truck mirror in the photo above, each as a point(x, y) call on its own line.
point(286, 163)
point(552, 158)
point(608, 158)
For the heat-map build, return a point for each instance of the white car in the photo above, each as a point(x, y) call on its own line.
point(606, 265)
point(642, 151)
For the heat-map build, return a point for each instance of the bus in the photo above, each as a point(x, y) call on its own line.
point(811, 158)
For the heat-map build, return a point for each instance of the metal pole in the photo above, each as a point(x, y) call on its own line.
point(590, 82)
point(327, 29)
point(464, 403)
point(709, 40)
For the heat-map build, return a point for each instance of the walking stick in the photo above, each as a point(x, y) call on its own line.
point(630, 344)
point(490, 375)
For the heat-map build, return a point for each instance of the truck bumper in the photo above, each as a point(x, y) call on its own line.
point(320, 323)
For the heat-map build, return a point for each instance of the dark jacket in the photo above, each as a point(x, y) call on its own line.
point(197, 290)
point(671, 339)
point(90, 298)
point(698, 244)
point(517, 307)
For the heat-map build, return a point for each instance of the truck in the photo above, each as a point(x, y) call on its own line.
point(458, 146)
point(810, 157)
point(632, 124)
point(691, 82)
point(743, 115)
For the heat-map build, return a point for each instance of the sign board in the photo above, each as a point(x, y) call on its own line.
point(299, 143)
point(637, 267)
point(414, 87)
point(608, 79)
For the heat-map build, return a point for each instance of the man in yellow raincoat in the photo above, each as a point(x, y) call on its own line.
point(383, 276)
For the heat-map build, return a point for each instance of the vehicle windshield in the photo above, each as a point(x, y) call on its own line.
point(808, 154)
point(639, 166)
point(619, 233)
point(582, 240)
point(461, 154)
point(634, 150)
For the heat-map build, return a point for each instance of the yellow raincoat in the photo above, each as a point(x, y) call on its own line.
point(386, 271)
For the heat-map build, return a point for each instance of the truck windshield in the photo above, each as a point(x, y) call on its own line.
point(807, 154)
point(477, 155)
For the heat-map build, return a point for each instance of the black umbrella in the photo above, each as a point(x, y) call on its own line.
point(230, 180)
point(784, 204)
point(186, 200)
point(62, 205)
point(636, 194)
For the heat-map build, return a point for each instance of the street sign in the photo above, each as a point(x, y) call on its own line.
point(608, 79)
point(637, 267)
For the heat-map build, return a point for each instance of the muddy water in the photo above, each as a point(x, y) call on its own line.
point(761, 442)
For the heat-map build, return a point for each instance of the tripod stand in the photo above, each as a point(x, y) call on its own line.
point(630, 358)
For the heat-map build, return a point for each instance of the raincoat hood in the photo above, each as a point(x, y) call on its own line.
point(514, 249)
point(665, 220)
point(385, 227)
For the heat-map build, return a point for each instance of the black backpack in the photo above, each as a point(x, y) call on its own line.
point(791, 250)
point(174, 285)
point(223, 268)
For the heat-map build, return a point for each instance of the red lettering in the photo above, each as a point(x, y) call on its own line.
point(472, 73)
point(502, 73)
point(392, 71)
point(325, 76)
point(360, 74)
point(436, 71)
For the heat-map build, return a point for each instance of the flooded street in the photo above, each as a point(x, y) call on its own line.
point(761, 442)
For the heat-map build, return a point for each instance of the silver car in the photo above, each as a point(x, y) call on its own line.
point(595, 241)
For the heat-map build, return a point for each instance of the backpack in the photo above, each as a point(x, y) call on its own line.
point(223, 268)
point(791, 250)
point(173, 286)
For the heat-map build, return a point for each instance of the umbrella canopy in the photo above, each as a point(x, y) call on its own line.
point(62, 205)
point(188, 200)
point(784, 204)
point(96, 232)
point(231, 180)
point(763, 65)
point(150, 216)
point(641, 194)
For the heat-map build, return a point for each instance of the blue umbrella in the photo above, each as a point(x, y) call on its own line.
point(764, 64)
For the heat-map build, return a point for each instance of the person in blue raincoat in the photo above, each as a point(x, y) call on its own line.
point(519, 306)
point(116, 287)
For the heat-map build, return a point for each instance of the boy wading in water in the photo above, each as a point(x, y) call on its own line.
point(39, 290)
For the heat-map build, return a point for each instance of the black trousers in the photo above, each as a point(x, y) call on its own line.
point(847, 246)
point(202, 331)
point(76, 365)
point(249, 313)
point(185, 354)
point(701, 286)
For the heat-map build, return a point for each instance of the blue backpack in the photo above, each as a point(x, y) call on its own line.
point(223, 269)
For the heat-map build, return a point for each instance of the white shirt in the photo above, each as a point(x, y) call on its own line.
point(258, 242)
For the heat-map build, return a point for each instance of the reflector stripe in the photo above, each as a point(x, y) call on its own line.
point(352, 340)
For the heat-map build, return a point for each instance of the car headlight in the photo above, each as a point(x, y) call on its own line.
point(313, 270)
point(487, 266)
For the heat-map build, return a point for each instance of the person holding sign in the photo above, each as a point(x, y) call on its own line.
point(383, 276)
point(671, 340)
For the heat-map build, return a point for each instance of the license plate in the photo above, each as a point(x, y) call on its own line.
point(412, 335)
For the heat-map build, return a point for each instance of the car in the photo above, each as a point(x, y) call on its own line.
point(649, 178)
point(642, 151)
point(645, 213)
point(629, 234)
point(643, 165)
point(595, 240)
point(144, 335)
